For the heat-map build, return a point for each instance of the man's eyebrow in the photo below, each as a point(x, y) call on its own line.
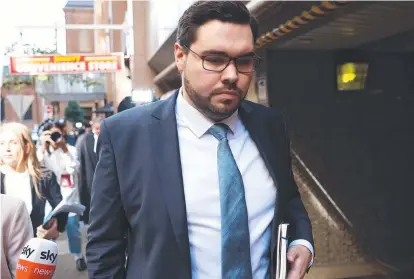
point(218, 52)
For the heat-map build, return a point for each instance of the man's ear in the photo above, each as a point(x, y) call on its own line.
point(180, 57)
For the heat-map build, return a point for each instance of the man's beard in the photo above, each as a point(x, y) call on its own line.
point(205, 106)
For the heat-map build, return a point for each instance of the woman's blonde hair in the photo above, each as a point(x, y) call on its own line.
point(28, 156)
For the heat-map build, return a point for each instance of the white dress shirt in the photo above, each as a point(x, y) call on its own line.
point(95, 137)
point(17, 184)
point(198, 151)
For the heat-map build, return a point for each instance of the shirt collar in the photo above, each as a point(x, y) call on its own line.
point(196, 121)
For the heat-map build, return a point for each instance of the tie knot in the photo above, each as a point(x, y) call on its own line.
point(219, 131)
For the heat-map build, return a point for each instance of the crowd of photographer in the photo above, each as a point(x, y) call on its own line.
point(40, 168)
point(41, 172)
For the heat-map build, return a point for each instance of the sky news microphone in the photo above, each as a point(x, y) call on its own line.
point(38, 260)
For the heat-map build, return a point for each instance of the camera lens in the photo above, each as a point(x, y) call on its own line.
point(55, 136)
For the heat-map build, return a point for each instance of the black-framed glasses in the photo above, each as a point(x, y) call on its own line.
point(219, 62)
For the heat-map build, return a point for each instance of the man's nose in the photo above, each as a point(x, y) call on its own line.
point(230, 75)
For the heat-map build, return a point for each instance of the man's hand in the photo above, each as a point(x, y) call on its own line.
point(299, 258)
point(51, 233)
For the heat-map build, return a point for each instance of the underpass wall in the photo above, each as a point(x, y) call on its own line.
point(358, 144)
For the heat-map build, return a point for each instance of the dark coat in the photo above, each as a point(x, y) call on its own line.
point(88, 161)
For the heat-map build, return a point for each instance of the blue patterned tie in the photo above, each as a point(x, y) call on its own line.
point(235, 239)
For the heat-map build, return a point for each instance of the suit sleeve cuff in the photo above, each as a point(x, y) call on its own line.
point(307, 244)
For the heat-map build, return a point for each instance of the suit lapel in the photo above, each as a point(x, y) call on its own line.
point(261, 133)
point(90, 143)
point(166, 149)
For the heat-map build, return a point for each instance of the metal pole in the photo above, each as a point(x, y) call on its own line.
point(111, 34)
point(130, 17)
point(111, 48)
point(56, 40)
point(95, 34)
point(21, 41)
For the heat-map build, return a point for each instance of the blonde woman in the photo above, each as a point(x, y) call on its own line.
point(22, 176)
point(16, 230)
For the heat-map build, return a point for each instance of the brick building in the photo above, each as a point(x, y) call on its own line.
point(80, 41)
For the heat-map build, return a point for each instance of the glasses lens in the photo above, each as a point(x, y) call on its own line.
point(55, 136)
point(247, 64)
point(215, 63)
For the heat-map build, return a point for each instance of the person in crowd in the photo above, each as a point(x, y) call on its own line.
point(88, 160)
point(67, 132)
point(23, 177)
point(16, 231)
point(62, 159)
point(125, 104)
point(202, 180)
point(82, 133)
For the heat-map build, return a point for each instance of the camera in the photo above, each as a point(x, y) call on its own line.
point(55, 136)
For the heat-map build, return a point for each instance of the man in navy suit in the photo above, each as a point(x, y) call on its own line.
point(201, 181)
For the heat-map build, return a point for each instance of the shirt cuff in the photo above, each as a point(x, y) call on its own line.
point(305, 243)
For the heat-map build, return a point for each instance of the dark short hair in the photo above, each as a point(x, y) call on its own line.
point(49, 124)
point(87, 124)
point(201, 12)
point(125, 104)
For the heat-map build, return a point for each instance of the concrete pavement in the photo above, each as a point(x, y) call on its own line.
point(66, 267)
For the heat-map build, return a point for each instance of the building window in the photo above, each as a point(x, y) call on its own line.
point(84, 41)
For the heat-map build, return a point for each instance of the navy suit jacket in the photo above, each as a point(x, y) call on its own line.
point(138, 191)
